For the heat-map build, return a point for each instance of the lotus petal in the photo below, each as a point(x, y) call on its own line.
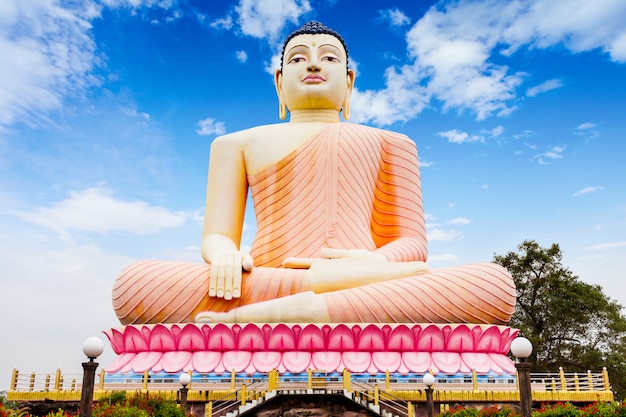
point(236, 360)
point(387, 361)
point(206, 361)
point(296, 362)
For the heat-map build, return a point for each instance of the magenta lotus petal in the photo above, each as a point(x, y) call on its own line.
point(460, 340)
point(447, 362)
point(503, 362)
point(372, 348)
point(173, 362)
point(236, 360)
point(116, 338)
point(489, 340)
point(371, 339)
point(161, 339)
point(418, 362)
point(135, 340)
point(192, 339)
point(341, 339)
point(266, 361)
point(401, 339)
point(296, 362)
point(326, 360)
point(251, 338)
point(477, 360)
point(311, 339)
point(356, 362)
point(222, 338)
point(282, 339)
point(389, 361)
point(120, 362)
point(205, 362)
point(145, 360)
point(431, 339)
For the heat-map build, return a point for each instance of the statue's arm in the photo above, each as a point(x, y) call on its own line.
point(398, 225)
point(227, 189)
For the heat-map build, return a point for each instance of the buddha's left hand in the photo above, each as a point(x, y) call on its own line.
point(330, 253)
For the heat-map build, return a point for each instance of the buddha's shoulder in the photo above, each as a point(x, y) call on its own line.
point(243, 136)
point(388, 135)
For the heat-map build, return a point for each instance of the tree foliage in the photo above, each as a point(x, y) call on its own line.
point(570, 323)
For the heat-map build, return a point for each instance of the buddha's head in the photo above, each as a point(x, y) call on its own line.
point(314, 71)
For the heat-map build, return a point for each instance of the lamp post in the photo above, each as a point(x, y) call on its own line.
point(429, 380)
point(521, 348)
point(92, 348)
point(184, 380)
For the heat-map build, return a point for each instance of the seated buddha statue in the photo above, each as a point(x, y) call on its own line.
point(341, 235)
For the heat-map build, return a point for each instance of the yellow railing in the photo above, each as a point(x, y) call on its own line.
point(546, 387)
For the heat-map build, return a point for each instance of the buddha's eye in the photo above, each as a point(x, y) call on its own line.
point(330, 58)
point(296, 59)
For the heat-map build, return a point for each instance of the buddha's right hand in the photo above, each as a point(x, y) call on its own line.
point(226, 273)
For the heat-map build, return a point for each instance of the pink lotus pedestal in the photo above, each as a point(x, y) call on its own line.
point(360, 348)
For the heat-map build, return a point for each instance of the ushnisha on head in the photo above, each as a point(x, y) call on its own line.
point(314, 72)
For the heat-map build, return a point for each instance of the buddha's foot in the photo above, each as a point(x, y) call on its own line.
point(303, 307)
point(212, 317)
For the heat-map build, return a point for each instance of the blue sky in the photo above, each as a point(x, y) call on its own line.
point(108, 109)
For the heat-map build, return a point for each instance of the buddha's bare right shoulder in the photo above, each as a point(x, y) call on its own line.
point(244, 137)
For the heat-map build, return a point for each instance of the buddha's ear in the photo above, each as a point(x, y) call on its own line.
point(346, 101)
point(278, 82)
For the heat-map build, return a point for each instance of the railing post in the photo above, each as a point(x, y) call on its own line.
point(605, 379)
point(57, 380)
point(562, 376)
point(589, 379)
point(14, 377)
point(576, 382)
point(101, 383)
point(386, 380)
point(146, 377)
point(376, 394)
point(474, 380)
point(409, 409)
point(208, 409)
point(346, 380)
point(32, 381)
point(309, 382)
point(47, 383)
point(243, 394)
point(232, 379)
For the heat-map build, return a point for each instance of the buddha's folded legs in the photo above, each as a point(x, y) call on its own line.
point(477, 293)
point(171, 292)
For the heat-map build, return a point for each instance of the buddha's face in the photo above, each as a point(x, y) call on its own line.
point(314, 73)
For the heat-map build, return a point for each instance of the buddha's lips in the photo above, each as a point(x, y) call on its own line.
point(313, 79)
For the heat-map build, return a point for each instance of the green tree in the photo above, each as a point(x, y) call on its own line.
point(570, 323)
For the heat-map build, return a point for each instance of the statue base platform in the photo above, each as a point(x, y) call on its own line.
point(255, 348)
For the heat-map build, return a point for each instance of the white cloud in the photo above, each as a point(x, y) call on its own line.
point(401, 100)
point(587, 190)
point(459, 220)
point(47, 53)
point(454, 136)
point(210, 126)
point(544, 87)
point(555, 152)
point(395, 17)
point(586, 126)
point(266, 18)
point(453, 45)
point(606, 246)
point(95, 210)
point(241, 56)
point(438, 235)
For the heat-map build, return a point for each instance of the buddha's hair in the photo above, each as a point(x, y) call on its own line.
point(313, 28)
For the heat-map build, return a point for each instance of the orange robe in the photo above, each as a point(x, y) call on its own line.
point(349, 187)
